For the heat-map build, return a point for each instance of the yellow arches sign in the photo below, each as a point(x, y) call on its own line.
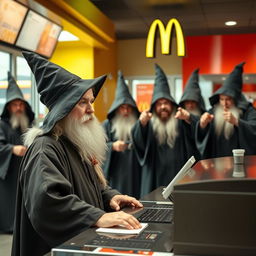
point(165, 37)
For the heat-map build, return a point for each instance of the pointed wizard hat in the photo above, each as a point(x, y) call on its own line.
point(13, 92)
point(122, 96)
point(59, 89)
point(231, 87)
point(192, 91)
point(161, 88)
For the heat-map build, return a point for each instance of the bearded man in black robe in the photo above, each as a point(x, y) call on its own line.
point(17, 116)
point(62, 190)
point(159, 138)
point(121, 166)
point(192, 106)
point(230, 124)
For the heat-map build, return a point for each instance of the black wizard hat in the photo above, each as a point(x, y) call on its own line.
point(161, 88)
point(232, 87)
point(59, 89)
point(122, 96)
point(13, 92)
point(192, 91)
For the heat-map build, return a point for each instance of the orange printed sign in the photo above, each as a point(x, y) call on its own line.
point(144, 94)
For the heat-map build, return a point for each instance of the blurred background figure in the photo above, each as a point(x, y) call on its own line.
point(16, 117)
point(231, 123)
point(121, 167)
point(192, 99)
point(193, 102)
point(159, 138)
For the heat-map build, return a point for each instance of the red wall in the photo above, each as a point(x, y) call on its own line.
point(219, 54)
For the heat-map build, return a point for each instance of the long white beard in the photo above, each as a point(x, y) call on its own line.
point(89, 137)
point(222, 126)
point(21, 121)
point(121, 126)
point(166, 132)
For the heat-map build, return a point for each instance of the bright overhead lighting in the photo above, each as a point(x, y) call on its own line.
point(230, 23)
point(67, 36)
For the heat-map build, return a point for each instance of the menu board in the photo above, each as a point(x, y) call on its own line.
point(12, 15)
point(38, 34)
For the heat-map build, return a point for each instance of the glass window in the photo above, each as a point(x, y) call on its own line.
point(24, 78)
point(5, 63)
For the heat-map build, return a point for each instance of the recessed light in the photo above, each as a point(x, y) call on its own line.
point(67, 36)
point(223, 78)
point(230, 23)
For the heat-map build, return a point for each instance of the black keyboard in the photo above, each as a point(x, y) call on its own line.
point(144, 241)
point(162, 215)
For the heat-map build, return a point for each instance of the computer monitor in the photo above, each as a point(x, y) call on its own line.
point(183, 171)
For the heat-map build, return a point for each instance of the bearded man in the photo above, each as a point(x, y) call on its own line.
point(230, 124)
point(159, 138)
point(17, 116)
point(192, 104)
point(62, 190)
point(121, 167)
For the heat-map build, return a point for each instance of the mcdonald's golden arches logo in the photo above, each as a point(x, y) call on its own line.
point(165, 37)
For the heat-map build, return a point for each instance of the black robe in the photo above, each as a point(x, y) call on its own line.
point(121, 169)
point(244, 136)
point(58, 197)
point(9, 168)
point(160, 163)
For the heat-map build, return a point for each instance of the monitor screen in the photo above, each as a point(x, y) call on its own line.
point(38, 34)
point(12, 15)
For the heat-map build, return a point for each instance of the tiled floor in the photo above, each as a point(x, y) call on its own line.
point(5, 244)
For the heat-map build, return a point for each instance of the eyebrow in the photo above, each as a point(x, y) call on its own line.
point(87, 99)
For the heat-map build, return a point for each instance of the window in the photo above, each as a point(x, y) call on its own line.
point(5, 64)
point(142, 89)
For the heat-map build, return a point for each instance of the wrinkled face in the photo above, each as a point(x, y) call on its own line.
point(226, 101)
point(124, 110)
point(84, 107)
point(17, 107)
point(163, 109)
point(190, 105)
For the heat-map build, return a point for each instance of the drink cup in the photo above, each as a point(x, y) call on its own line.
point(238, 155)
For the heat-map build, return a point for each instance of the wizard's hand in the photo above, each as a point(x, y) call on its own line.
point(119, 201)
point(205, 119)
point(182, 114)
point(145, 116)
point(229, 117)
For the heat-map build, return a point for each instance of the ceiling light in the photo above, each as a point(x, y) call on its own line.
point(230, 23)
point(67, 36)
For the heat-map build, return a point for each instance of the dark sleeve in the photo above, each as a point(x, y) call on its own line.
point(247, 131)
point(202, 139)
point(5, 152)
point(141, 140)
point(54, 211)
point(106, 164)
point(107, 195)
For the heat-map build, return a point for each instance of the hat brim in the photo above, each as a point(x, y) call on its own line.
point(69, 99)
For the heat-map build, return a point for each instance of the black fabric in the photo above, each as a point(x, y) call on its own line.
point(121, 169)
point(9, 166)
point(232, 86)
point(59, 89)
point(13, 92)
point(122, 96)
point(160, 163)
point(193, 92)
point(161, 88)
point(58, 197)
point(244, 136)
